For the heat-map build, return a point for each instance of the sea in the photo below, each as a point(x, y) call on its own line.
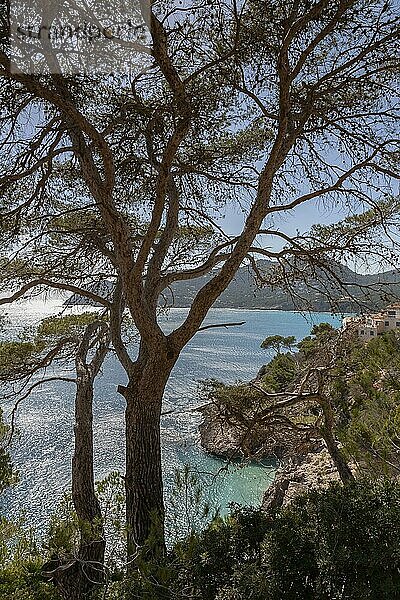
point(43, 444)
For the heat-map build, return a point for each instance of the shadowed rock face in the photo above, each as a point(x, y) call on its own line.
point(300, 474)
point(221, 436)
point(304, 466)
point(225, 437)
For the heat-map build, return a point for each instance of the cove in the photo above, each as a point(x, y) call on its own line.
point(43, 447)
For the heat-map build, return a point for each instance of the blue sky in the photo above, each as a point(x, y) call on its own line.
point(300, 219)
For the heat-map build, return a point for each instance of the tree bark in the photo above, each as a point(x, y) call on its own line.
point(83, 492)
point(143, 480)
point(81, 574)
point(327, 432)
point(338, 459)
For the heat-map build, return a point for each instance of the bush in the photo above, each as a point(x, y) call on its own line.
point(20, 565)
point(342, 543)
point(228, 549)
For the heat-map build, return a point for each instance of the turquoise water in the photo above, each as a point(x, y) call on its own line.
point(43, 448)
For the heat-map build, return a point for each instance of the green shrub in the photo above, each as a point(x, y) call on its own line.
point(342, 543)
point(20, 565)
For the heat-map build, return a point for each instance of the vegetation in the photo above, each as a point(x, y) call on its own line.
point(369, 395)
point(122, 173)
point(278, 343)
point(20, 556)
point(56, 340)
point(124, 176)
point(341, 543)
point(21, 563)
point(335, 388)
point(7, 473)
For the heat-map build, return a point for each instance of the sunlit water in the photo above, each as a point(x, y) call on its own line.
point(42, 451)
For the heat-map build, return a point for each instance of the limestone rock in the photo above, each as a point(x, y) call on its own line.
point(300, 474)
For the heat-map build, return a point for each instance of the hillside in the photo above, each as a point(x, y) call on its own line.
point(366, 291)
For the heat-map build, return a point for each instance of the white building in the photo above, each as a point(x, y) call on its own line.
point(372, 325)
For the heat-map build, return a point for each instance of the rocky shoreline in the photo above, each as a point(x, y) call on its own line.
point(301, 468)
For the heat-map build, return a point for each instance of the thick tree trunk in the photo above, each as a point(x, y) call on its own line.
point(143, 480)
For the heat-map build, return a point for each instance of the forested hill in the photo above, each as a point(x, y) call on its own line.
point(371, 291)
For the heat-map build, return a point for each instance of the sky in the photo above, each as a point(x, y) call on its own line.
point(301, 220)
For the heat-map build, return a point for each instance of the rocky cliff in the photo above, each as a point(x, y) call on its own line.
point(304, 465)
point(299, 474)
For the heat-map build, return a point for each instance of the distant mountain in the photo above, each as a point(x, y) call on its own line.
point(312, 293)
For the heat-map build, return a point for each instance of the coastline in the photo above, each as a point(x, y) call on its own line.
point(298, 470)
point(45, 422)
point(299, 474)
point(305, 311)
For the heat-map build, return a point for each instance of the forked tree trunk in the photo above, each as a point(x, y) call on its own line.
point(143, 480)
point(79, 575)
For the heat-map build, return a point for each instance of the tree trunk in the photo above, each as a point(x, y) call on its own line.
point(81, 574)
point(86, 504)
point(143, 480)
point(327, 432)
point(338, 459)
point(83, 491)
